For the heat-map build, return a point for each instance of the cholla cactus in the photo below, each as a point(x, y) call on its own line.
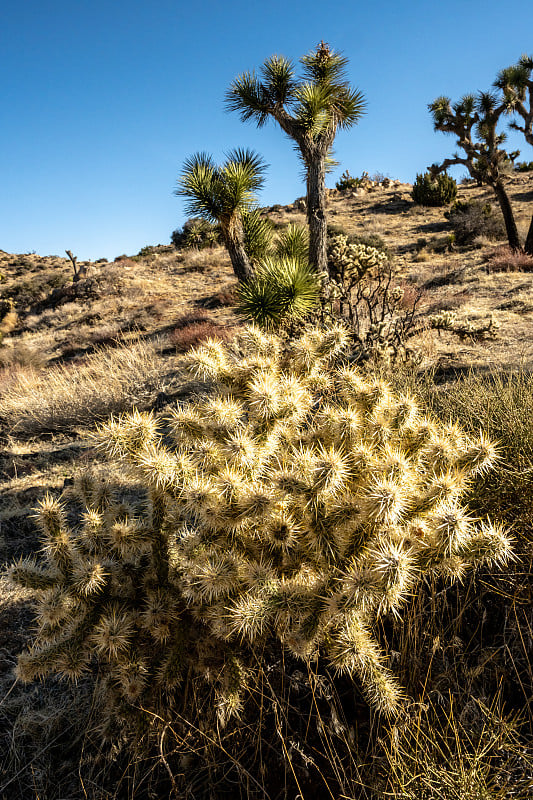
point(466, 329)
point(364, 293)
point(353, 260)
point(295, 502)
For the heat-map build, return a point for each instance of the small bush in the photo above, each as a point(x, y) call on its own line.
point(503, 259)
point(225, 297)
point(197, 233)
point(346, 181)
point(197, 331)
point(434, 191)
point(472, 220)
point(524, 166)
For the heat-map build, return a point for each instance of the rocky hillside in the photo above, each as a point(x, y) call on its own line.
point(48, 318)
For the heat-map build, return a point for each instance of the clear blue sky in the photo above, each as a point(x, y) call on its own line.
point(102, 100)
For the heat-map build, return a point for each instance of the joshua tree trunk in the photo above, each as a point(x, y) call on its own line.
point(316, 213)
point(508, 216)
point(234, 241)
point(529, 239)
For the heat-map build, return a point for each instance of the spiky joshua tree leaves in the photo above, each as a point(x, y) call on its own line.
point(292, 504)
point(309, 110)
point(225, 194)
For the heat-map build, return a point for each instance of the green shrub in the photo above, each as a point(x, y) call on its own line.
point(434, 191)
point(291, 506)
point(524, 166)
point(347, 181)
point(196, 233)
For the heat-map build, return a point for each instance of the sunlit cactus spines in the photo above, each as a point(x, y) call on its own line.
point(291, 502)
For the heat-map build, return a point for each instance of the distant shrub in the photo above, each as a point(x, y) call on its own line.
point(434, 191)
point(196, 233)
point(224, 297)
point(471, 220)
point(347, 181)
point(524, 166)
point(193, 329)
point(503, 259)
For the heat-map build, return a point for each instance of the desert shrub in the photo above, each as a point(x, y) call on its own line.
point(282, 291)
point(429, 190)
point(292, 505)
point(108, 381)
point(225, 297)
point(524, 166)
point(472, 220)
point(196, 233)
point(191, 331)
point(503, 259)
point(8, 318)
point(346, 181)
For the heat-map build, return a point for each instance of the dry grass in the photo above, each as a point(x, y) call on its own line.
point(64, 397)
point(503, 259)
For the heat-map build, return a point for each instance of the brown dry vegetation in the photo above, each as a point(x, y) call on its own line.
point(73, 353)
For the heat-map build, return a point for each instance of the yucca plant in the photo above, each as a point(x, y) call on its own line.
point(282, 291)
point(292, 503)
point(225, 194)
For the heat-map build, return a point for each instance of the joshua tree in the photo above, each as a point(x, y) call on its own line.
point(224, 194)
point(474, 120)
point(516, 84)
point(309, 110)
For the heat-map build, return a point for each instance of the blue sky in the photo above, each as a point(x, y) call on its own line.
point(102, 100)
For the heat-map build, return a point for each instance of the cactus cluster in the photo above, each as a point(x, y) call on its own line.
point(292, 502)
point(434, 190)
point(353, 260)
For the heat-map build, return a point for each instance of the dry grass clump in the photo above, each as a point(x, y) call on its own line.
point(108, 381)
point(503, 259)
point(446, 754)
point(224, 297)
point(192, 329)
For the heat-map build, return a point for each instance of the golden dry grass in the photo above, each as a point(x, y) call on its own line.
point(66, 396)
